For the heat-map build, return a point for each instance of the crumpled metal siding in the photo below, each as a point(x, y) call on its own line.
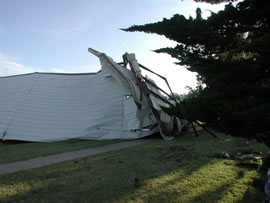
point(54, 107)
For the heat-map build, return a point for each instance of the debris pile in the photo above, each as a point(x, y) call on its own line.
point(240, 156)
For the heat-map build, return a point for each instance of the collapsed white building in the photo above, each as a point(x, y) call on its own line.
point(117, 102)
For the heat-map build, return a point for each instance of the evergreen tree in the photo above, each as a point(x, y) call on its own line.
point(230, 51)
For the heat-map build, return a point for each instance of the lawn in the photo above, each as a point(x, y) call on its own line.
point(24, 151)
point(182, 170)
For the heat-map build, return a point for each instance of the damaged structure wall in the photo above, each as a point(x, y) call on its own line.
point(53, 107)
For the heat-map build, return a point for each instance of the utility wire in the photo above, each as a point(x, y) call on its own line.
point(106, 25)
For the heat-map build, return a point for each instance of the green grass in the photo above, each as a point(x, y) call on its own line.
point(181, 170)
point(24, 151)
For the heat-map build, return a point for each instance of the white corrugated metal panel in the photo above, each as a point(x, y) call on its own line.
point(54, 107)
point(135, 118)
point(11, 89)
point(58, 107)
point(51, 107)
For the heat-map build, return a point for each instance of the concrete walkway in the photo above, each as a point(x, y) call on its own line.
point(47, 160)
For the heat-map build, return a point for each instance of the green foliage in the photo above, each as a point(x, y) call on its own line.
point(177, 96)
point(230, 52)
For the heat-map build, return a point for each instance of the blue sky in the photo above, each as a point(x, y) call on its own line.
point(54, 35)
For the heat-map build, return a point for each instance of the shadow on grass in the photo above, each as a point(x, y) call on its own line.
point(158, 172)
point(258, 183)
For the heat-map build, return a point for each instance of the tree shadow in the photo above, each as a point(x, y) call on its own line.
point(134, 174)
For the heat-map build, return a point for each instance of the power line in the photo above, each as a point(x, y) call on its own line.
point(107, 26)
